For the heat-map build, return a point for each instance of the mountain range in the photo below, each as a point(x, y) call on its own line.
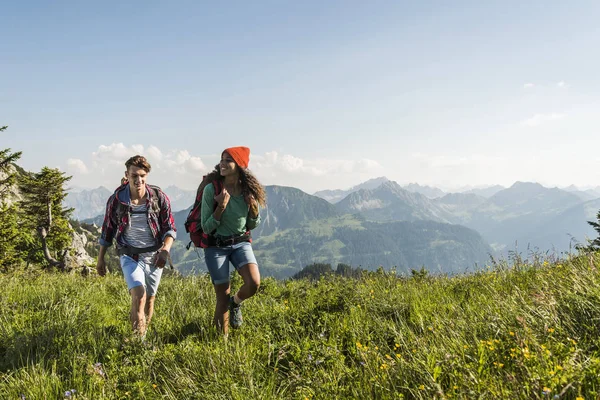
point(374, 223)
point(298, 229)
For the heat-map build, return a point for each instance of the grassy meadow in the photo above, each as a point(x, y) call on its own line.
point(529, 331)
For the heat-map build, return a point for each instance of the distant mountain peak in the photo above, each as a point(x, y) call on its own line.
point(335, 195)
point(370, 184)
point(520, 185)
point(427, 191)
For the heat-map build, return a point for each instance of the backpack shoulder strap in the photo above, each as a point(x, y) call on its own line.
point(218, 186)
point(156, 199)
point(121, 209)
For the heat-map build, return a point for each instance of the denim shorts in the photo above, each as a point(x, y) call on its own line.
point(218, 258)
point(141, 273)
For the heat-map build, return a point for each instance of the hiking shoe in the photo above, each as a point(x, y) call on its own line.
point(235, 314)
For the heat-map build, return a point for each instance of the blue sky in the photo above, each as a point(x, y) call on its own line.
point(326, 95)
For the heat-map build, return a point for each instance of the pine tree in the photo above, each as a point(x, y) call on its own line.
point(43, 195)
point(7, 175)
point(595, 244)
point(11, 238)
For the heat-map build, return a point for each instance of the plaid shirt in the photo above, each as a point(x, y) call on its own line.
point(161, 224)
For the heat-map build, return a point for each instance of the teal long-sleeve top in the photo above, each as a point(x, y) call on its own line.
point(234, 220)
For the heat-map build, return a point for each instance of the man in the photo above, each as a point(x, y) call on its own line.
point(138, 216)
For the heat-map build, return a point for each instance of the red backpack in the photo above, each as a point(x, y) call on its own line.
point(193, 222)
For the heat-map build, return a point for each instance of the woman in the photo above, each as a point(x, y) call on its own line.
point(228, 217)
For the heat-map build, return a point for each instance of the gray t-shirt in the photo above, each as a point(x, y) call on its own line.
point(138, 233)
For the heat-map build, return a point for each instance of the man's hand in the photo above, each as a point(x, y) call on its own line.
point(101, 266)
point(162, 256)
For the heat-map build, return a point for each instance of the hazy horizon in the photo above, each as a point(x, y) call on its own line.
point(73, 188)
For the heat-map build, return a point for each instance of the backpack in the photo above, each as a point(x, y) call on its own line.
point(122, 209)
point(193, 222)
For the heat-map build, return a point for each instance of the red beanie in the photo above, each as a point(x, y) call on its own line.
point(240, 154)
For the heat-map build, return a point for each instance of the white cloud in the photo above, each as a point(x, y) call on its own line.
point(181, 168)
point(290, 163)
point(443, 161)
point(539, 119)
point(195, 164)
point(273, 162)
point(75, 165)
point(107, 164)
point(154, 153)
point(560, 85)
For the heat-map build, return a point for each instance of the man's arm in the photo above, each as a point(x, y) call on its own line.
point(109, 227)
point(167, 229)
point(167, 222)
point(164, 253)
point(101, 264)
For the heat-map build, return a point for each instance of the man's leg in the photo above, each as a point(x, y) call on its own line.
point(149, 309)
point(134, 276)
point(137, 316)
point(153, 276)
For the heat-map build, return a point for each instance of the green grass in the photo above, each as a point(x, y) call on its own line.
point(528, 332)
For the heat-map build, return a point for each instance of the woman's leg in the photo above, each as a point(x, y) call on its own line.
point(251, 277)
point(244, 261)
point(221, 318)
point(217, 262)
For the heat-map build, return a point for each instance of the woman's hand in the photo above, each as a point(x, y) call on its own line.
point(222, 199)
point(252, 205)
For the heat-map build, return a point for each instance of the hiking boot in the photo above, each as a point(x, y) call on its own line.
point(235, 314)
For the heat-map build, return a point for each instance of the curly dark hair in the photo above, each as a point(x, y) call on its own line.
point(250, 185)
